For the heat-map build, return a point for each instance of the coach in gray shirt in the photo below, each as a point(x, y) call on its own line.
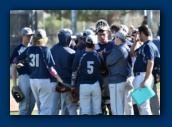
point(117, 62)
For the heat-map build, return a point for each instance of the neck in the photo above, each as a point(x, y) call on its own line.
point(118, 43)
point(147, 38)
point(89, 49)
point(25, 44)
point(104, 42)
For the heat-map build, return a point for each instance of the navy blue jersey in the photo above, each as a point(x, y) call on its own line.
point(16, 52)
point(106, 50)
point(81, 48)
point(40, 59)
point(63, 57)
point(89, 64)
point(148, 51)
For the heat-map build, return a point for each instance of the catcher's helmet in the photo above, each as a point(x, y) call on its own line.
point(102, 25)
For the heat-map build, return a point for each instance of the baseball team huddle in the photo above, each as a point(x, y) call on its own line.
point(104, 71)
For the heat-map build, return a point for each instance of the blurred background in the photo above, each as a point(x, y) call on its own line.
point(76, 20)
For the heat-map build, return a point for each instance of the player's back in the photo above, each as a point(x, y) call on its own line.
point(39, 58)
point(90, 68)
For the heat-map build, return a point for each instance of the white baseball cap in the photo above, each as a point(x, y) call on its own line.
point(121, 34)
point(26, 31)
point(91, 39)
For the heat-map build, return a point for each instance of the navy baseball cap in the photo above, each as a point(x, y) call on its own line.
point(79, 35)
point(91, 39)
point(41, 34)
point(87, 32)
point(26, 31)
point(70, 31)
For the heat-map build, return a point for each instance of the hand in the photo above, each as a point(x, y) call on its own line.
point(137, 37)
point(143, 85)
point(103, 91)
point(19, 65)
point(72, 88)
point(158, 78)
point(100, 54)
point(59, 80)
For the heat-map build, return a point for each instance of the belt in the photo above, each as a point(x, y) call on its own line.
point(138, 73)
point(23, 74)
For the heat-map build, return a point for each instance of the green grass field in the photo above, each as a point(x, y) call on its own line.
point(35, 112)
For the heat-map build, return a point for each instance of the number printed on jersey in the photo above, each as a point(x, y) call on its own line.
point(34, 60)
point(90, 67)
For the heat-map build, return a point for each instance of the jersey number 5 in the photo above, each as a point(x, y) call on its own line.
point(90, 67)
point(34, 60)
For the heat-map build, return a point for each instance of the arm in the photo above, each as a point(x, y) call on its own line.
point(149, 69)
point(17, 59)
point(54, 73)
point(75, 70)
point(135, 45)
point(14, 74)
point(113, 57)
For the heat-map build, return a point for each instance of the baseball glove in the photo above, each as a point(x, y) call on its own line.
point(74, 95)
point(17, 94)
point(61, 88)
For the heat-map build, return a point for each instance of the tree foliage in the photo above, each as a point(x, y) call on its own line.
point(92, 15)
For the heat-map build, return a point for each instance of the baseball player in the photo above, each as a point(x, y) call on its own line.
point(63, 56)
point(129, 86)
point(41, 66)
point(87, 66)
point(81, 47)
point(117, 62)
point(145, 56)
point(104, 48)
point(27, 104)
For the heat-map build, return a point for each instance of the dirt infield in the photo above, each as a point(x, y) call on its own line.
point(14, 104)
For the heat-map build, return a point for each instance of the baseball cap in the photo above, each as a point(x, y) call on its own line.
point(40, 33)
point(91, 39)
point(79, 35)
point(26, 31)
point(121, 34)
point(102, 25)
point(87, 32)
point(70, 31)
point(134, 31)
point(125, 28)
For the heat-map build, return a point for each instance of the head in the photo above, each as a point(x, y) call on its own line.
point(102, 30)
point(145, 33)
point(86, 33)
point(125, 28)
point(120, 37)
point(114, 29)
point(40, 38)
point(91, 41)
point(26, 34)
point(79, 38)
point(65, 37)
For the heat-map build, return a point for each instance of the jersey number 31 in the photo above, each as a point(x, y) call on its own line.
point(34, 60)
